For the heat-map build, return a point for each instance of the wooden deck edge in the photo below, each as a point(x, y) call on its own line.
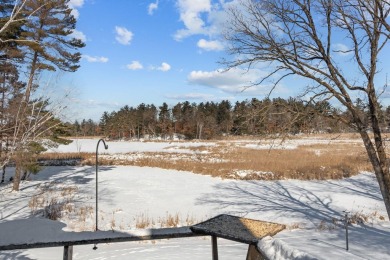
point(207, 228)
point(182, 232)
point(201, 232)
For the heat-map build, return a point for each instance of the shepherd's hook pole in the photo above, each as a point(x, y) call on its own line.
point(346, 219)
point(97, 165)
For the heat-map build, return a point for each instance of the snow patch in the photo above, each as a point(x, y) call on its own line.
point(275, 249)
point(250, 173)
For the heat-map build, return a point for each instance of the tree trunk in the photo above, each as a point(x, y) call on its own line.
point(381, 169)
point(18, 171)
point(378, 155)
point(24, 177)
point(31, 78)
point(3, 175)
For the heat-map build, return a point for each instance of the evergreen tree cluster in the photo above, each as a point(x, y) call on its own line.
point(208, 120)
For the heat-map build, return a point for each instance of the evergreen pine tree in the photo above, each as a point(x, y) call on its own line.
point(47, 35)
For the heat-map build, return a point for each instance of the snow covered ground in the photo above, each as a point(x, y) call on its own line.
point(120, 147)
point(117, 147)
point(128, 195)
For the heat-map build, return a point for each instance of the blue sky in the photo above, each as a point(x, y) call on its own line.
point(151, 51)
point(155, 51)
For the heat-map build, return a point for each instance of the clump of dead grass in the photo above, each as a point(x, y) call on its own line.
point(84, 213)
point(170, 220)
point(56, 201)
point(354, 218)
point(293, 226)
point(360, 217)
point(51, 208)
point(143, 221)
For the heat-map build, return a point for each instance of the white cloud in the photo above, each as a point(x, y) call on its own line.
point(123, 36)
point(135, 65)
point(190, 15)
point(210, 45)
point(204, 17)
point(191, 96)
point(95, 59)
point(91, 103)
point(152, 7)
point(78, 35)
point(75, 4)
point(164, 67)
point(231, 81)
point(75, 13)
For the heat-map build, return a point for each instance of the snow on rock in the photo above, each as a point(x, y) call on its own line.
point(246, 173)
point(275, 249)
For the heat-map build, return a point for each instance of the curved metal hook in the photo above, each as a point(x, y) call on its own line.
point(97, 165)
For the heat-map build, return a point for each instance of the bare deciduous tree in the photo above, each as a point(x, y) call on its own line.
point(40, 120)
point(300, 37)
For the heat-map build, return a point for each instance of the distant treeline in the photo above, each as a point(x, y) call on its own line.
point(207, 120)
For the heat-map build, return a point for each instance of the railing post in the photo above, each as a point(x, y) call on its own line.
point(214, 246)
point(254, 254)
point(68, 252)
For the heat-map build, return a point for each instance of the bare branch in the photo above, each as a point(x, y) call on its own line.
point(297, 36)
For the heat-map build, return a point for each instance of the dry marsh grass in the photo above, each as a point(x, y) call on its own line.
point(170, 220)
point(143, 221)
point(228, 159)
point(311, 162)
point(354, 218)
point(57, 201)
point(65, 156)
point(53, 201)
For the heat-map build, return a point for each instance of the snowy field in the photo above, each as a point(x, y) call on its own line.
point(121, 147)
point(130, 195)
